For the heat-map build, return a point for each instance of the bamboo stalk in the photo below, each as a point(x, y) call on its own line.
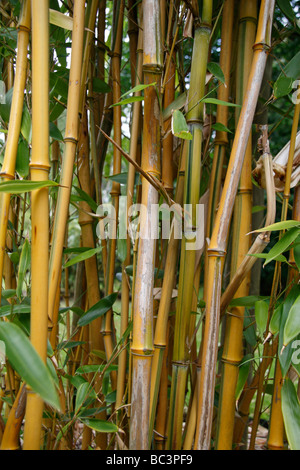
point(232, 352)
point(125, 289)
point(39, 168)
point(70, 144)
point(195, 118)
point(11, 438)
point(107, 323)
point(217, 246)
point(9, 162)
point(142, 341)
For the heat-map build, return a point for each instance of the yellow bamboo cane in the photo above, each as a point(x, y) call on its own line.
point(9, 162)
point(11, 438)
point(142, 340)
point(70, 141)
point(217, 245)
point(232, 352)
point(39, 167)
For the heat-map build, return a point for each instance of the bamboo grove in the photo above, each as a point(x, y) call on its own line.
point(149, 225)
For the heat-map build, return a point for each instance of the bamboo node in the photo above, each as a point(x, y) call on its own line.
point(71, 139)
point(7, 175)
point(142, 352)
point(39, 166)
point(261, 46)
point(215, 252)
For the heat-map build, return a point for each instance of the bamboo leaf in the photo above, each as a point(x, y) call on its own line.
point(87, 198)
point(130, 100)
point(54, 132)
point(286, 353)
point(274, 325)
point(219, 102)
point(244, 368)
point(283, 86)
point(84, 391)
point(100, 425)
point(27, 363)
point(83, 256)
point(22, 162)
point(179, 126)
point(216, 70)
point(247, 301)
point(291, 414)
point(23, 267)
point(297, 255)
point(283, 244)
point(60, 19)
point(24, 186)
point(285, 225)
point(99, 86)
point(6, 310)
point(26, 124)
point(99, 309)
point(292, 324)
point(178, 103)
point(138, 88)
point(218, 126)
point(261, 315)
point(287, 10)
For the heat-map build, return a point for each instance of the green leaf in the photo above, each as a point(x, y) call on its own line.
point(297, 255)
point(283, 86)
point(247, 301)
point(27, 363)
point(244, 368)
point(178, 103)
point(219, 102)
point(138, 88)
point(54, 132)
point(287, 224)
point(287, 10)
point(24, 186)
point(84, 391)
point(218, 126)
point(13, 309)
point(261, 315)
point(85, 197)
point(99, 309)
point(23, 267)
point(274, 325)
point(216, 70)
point(283, 244)
point(100, 425)
point(292, 69)
point(22, 162)
point(99, 86)
point(291, 414)
point(133, 99)
point(26, 124)
point(285, 355)
point(122, 249)
point(179, 126)
point(83, 256)
point(292, 324)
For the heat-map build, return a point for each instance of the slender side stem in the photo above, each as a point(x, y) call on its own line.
point(217, 245)
point(39, 167)
point(11, 439)
point(142, 340)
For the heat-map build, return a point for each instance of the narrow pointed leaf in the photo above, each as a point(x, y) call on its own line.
point(27, 363)
point(261, 315)
point(219, 102)
point(83, 256)
point(280, 226)
point(59, 19)
point(179, 126)
point(216, 70)
point(100, 425)
point(138, 88)
point(292, 324)
point(283, 244)
point(99, 309)
point(23, 267)
point(24, 186)
point(291, 414)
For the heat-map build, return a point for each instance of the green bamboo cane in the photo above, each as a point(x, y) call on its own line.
point(217, 245)
point(39, 167)
point(142, 340)
point(191, 196)
point(9, 162)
